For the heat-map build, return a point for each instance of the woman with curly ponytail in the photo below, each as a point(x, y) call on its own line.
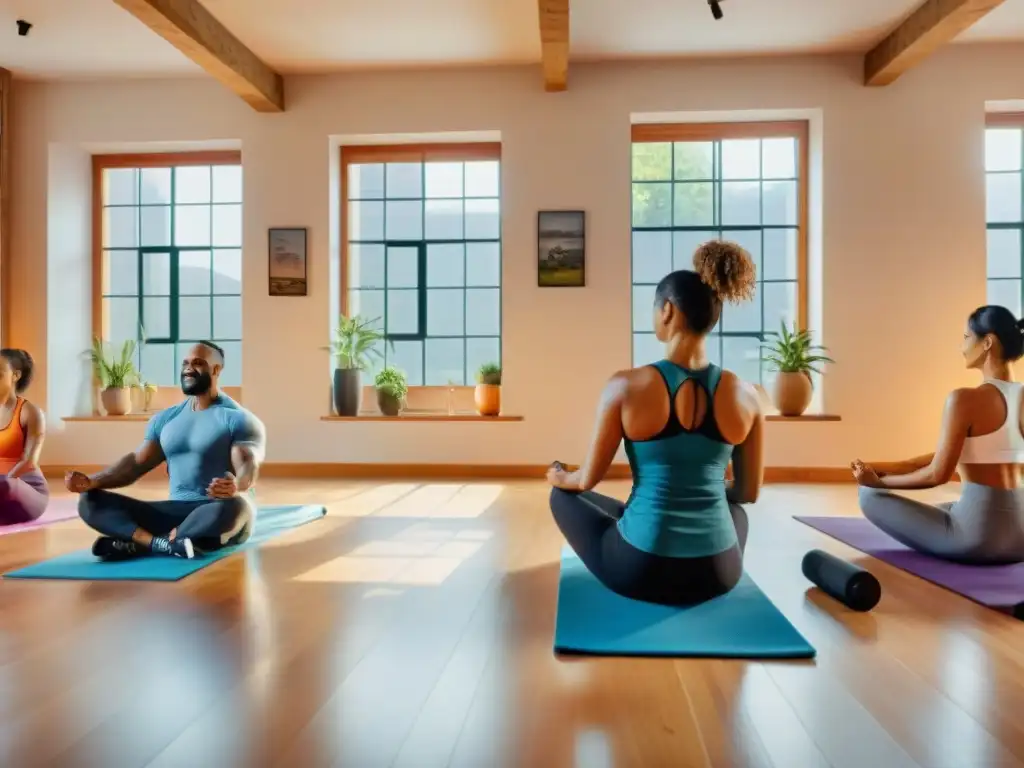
point(679, 540)
point(23, 490)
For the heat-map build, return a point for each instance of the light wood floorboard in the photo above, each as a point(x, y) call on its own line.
point(412, 627)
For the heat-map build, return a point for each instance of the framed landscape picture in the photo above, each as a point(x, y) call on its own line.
point(561, 249)
point(287, 261)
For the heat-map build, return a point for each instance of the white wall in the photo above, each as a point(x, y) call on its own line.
point(902, 238)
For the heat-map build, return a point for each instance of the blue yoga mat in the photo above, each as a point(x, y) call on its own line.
point(82, 565)
point(743, 624)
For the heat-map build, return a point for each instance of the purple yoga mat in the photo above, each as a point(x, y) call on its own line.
point(57, 511)
point(996, 586)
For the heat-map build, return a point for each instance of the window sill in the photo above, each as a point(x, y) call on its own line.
point(422, 416)
point(129, 417)
point(805, 417)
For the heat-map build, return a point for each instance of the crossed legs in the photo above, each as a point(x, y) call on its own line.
point(209, 524)
point(588, 522)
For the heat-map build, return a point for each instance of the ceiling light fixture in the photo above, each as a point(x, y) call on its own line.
point(716, 8)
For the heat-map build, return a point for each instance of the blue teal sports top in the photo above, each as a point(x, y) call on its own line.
point(678, 506)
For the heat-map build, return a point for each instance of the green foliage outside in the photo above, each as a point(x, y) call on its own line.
point(652, 202)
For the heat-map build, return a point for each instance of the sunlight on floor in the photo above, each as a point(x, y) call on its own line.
point(373, 500)
point(314, 531)
point(593, 750)
point(417, 556)
point(434, 500)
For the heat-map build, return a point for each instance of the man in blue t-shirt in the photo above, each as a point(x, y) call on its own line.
point(213, 448)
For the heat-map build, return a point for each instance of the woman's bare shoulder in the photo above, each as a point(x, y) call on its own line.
point(31, 412)
point(736, 390)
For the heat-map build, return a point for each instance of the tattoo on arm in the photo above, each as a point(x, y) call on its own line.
point(130, 467)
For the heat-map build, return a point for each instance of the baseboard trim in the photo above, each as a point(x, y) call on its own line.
point(340, 470)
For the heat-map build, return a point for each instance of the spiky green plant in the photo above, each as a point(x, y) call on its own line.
point(355, 342)
point(392, 383)
point(116, 370)
point(793, 352)
point(490, 374)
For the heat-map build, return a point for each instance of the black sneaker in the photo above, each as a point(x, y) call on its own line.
point(111, 549)
point(183, 548)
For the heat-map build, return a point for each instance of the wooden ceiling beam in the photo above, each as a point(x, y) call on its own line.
point(931, 26)
point(554, 43)
point(194, 31)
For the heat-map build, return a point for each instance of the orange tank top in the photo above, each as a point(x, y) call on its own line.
point(12, 440)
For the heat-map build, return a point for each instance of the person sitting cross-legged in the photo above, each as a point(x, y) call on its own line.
point(213, 448)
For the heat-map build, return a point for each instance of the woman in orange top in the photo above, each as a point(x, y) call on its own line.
point(23, 490)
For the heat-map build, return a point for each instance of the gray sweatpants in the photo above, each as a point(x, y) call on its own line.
point(984, 527)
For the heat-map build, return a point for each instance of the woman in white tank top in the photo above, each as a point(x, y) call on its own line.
point(983, 433)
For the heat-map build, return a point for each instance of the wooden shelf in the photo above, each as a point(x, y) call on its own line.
point(107, 419)
point(414, 416)
point(805, 417)
point(422, 416)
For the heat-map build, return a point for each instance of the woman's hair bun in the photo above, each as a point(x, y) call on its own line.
point(727, 269)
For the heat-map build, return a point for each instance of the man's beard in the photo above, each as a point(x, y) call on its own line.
point(196, 383)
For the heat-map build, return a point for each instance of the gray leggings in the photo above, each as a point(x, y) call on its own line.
point(985, 527)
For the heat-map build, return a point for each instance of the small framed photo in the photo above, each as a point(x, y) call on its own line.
point(561, 249)
point(287, 261)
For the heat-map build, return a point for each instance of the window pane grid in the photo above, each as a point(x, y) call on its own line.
point(1004, 183)
point(158, 295)
point(447, 304)
point(676, 205)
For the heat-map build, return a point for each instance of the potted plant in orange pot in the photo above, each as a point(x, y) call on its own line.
point(487, 395)
point(794, 358)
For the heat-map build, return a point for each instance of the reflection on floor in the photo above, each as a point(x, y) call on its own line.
point(413, 626)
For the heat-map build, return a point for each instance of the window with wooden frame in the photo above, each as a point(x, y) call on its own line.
point(743, 182)
point(1004, 216)
point(421, 235)
point(167, 265)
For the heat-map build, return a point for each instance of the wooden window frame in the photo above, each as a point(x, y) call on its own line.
point(1013, 120)
point(100, 163)
point(719, 131)
point(427, 396)
point(797, 129)
point(1004, 119)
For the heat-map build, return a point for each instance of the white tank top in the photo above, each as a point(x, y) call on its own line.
point(1006, 444)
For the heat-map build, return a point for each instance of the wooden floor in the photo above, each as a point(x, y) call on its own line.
point(412, 627)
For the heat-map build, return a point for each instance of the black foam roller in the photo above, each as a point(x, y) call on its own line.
point(852, 586)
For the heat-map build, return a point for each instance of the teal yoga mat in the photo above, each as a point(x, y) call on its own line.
point(82, 566)
point(743, 624)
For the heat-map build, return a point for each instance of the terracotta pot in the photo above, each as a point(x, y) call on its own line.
point(792, 393)
point(117, 401)
point(488, 399)
point(389, 406)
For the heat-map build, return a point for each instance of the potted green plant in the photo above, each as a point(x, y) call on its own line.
point(794, 358)
point(391, 388)
point(354, 347)
point(116, 374)
point(487, 394)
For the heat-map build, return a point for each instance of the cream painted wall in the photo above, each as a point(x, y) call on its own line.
point(902, 237)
